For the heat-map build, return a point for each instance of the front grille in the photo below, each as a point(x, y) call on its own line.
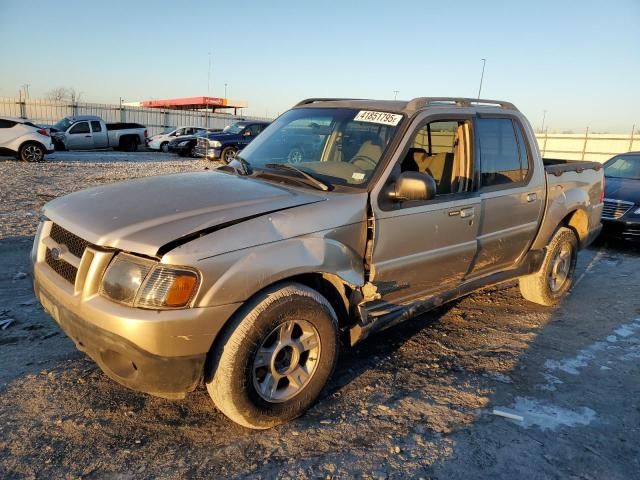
point(74, 244)
point(203, 142)
point(62, 268)
point(614, 209)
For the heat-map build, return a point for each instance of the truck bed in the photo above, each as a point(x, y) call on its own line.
point(557, 167)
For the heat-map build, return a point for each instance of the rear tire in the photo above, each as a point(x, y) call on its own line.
point(554, 279)
point(128, 144)
point(275, 357)
point(31, 152)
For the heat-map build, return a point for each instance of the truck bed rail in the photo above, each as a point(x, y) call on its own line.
point(557, 167)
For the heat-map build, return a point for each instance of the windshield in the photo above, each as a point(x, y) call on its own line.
point(167, 131)
point(235, 128)
point(62, 125)
point(340, 146)
point(624, 167)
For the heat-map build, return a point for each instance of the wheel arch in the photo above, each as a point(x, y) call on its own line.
point(334, 289)
point(28, 142)
point(570, 211)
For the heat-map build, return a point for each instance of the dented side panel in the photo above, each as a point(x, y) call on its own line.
point(240, 260)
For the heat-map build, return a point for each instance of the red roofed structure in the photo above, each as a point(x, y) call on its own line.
point(196, 103)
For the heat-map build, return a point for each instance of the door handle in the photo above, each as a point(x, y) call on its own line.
point(532, 197)
point(467, 212)
point(87, 136)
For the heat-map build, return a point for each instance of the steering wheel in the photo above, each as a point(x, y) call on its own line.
point(363, 162)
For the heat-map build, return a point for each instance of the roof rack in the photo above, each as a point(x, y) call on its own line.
point(308, 101)
point(422, 102)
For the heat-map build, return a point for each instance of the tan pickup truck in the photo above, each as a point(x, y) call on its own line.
point(342, 218)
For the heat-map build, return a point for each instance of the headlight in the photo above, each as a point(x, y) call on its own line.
point(215, 144)
point(139, 282)
point(183, 144)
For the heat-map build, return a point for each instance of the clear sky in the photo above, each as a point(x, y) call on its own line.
point(579, 60)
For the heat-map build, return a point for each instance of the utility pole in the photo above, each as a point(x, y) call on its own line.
point(484, 62)
point(544, 116)
point(395, 94)
point(225, 90)
point(209, 75)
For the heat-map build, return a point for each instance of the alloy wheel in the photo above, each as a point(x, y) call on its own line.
point(560, 268)
point(33, 153)
point(286, 361)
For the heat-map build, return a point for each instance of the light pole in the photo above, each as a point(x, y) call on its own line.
point(209, 75)
point(395, 94)
point(544, 116)
point(484, 62)
point(225, 90)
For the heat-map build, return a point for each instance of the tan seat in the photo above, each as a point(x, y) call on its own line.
point(368, 155)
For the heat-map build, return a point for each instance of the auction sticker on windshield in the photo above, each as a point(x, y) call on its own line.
point(383, 118)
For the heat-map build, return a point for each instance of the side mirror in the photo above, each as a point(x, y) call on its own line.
point(413, 186)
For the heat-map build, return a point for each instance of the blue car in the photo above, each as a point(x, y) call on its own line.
point(224, 145)
point(621, 212)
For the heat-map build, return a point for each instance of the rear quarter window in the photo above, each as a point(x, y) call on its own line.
point(7, 123)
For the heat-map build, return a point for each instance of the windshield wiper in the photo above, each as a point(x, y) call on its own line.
point(314, 181)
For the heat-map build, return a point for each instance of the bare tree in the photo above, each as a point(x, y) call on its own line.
point(64, 94)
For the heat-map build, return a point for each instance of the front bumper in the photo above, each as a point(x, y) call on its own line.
point(623, 228)
point(178, 149)
point(209, 153)
point(161, 352)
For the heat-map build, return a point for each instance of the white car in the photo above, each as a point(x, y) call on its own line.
point(161, 141)
point(23, 139)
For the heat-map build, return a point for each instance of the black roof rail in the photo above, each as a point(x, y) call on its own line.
point(308, 101)
point(422, 102)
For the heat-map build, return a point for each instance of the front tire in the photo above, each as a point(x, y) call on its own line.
point(31, 152)
point(164, 147)
point(554, 279)
point(276, 357)
point(227, 154)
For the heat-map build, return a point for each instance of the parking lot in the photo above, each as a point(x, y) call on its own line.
point(414, 401)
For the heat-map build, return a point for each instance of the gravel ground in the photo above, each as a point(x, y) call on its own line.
point(415, 401)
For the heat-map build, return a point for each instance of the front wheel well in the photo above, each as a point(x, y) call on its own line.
point(330, 286)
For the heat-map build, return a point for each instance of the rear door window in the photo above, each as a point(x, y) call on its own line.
point(96, 127)
point(500, 159)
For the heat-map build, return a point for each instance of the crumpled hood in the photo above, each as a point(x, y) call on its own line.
point(626, 189)
point(146, 214)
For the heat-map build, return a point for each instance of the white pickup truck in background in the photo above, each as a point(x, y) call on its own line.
point(89, 132)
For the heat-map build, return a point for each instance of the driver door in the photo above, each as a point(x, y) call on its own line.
point(79, 137)
point(423, 248)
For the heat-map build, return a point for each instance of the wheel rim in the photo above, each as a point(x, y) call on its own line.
point(164, 147)
point(32, 153)
point(295, 156)
point(228, 155)
point(286, 361)
point(560, 268)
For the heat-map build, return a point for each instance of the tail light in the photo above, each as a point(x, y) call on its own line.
point(42, 131)
point(602, 192)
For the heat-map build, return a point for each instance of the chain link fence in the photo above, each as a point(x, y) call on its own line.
point(47, 112)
